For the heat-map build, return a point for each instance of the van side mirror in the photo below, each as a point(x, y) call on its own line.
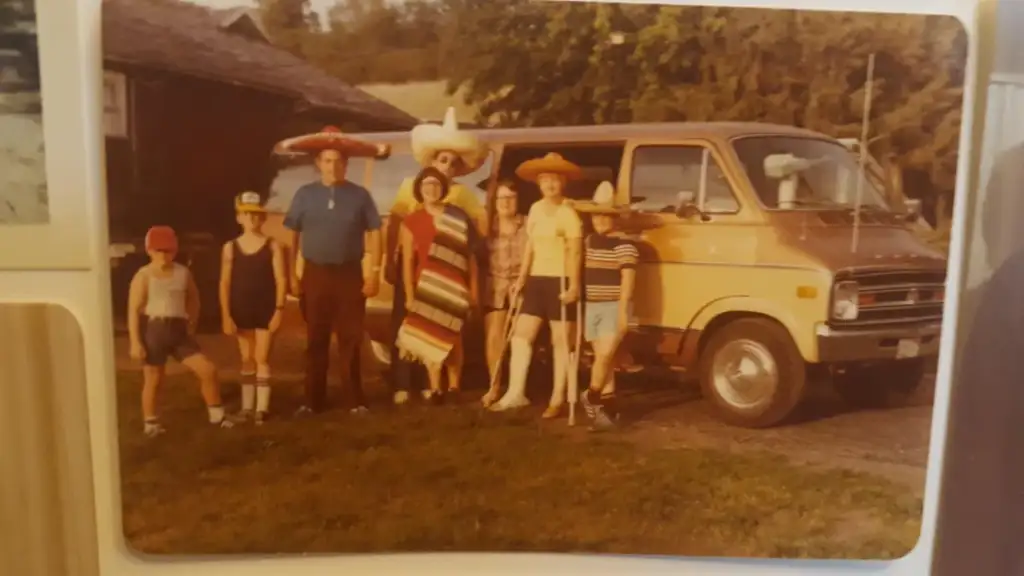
point(913, 210)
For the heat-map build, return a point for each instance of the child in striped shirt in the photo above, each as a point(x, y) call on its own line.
point(608, 277)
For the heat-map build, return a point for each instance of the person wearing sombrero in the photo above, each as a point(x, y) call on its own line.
point(253, 285)
point(609, 276)
point(334, 223)
point(548, 280)
point(452, 152)
point(440, 283)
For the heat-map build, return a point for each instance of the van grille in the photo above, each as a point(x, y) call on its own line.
point(896, 298)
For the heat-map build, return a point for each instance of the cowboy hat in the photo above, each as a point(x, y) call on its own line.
point(249, 201)
point(551, 163)
point(427, 140)
point(331, 138)
point(602, 203)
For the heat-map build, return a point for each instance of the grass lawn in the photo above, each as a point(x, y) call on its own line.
point(455, 478)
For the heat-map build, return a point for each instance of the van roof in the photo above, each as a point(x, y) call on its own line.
point(606, 132)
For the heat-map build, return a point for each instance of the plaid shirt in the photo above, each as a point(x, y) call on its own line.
point(506, 256)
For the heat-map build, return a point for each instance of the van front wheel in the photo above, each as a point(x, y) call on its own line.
point(752, 373)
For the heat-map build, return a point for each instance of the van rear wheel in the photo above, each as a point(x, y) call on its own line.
point(752, 373)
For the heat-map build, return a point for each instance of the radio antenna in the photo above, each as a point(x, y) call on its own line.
point(863, 158)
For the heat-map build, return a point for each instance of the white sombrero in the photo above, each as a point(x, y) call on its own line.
point(602, 203)
point(331, 138)
point(429, 139)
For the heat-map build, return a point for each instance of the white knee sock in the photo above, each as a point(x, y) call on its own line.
point(560, 380)
point(248, 391)
point(263, 391)
point(518, 367)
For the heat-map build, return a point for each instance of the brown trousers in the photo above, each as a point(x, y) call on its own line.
point(333, 305)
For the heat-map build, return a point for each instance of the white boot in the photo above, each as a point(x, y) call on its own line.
point(518, 367)
point(560, 382)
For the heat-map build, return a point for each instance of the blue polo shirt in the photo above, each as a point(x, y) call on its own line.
point(332, 235)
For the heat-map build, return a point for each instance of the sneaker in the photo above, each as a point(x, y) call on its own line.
point(426, 394)
point(153, 429)
point(225, 423)
point(259, 418)
point(244, 415)
point(602, 421)
point(304, 411)
point(401, 397)
point(359, 410)
point(588, 407)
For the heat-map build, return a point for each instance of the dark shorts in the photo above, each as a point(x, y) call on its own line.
point(253, 317)
point(167, 338)
point(541, 299)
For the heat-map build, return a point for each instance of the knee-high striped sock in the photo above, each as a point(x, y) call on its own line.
point(248, 390)
point(263, 391)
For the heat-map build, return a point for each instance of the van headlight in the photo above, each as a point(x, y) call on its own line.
point(844, 301)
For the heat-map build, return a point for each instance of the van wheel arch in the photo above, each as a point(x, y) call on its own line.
point(771, 338)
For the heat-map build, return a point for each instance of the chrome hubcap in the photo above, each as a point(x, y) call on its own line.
point(745, 375)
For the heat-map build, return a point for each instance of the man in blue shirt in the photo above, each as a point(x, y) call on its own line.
point(335, 223)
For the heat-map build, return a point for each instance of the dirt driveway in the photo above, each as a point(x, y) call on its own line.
point(892, 443)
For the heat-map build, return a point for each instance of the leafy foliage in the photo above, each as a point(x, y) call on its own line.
point(537, 63)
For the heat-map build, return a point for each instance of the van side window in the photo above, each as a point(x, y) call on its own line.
point(664, 175)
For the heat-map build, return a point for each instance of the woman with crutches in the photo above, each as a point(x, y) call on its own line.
point(548, 281)
point(505, 255)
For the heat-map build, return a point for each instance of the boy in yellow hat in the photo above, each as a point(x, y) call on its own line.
point(253, 285)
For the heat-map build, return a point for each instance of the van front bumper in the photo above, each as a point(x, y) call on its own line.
point(860, 345)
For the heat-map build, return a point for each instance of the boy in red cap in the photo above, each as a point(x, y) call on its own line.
point(165, 293)
point(252, 291)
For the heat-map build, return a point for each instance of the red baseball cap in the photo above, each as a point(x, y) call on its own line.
point(161, 239)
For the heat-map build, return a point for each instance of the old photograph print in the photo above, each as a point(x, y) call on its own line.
point(509, 276)
point(23, 194)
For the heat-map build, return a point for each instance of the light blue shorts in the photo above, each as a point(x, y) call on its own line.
point(601, 320)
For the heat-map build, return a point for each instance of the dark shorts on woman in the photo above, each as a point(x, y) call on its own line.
point(541, 299)
point(167, 338)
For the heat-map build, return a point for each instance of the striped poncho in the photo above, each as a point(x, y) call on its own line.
point(441, 299)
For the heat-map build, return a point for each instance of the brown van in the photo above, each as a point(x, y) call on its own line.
point(765, 259)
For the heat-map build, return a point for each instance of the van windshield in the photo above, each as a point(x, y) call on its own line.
point(828, 180)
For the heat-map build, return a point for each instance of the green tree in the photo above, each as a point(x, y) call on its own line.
point(291, 24)
point(525, 63)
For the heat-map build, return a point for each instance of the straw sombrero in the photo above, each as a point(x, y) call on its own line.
point(551, 163)
point(427, 140)
point(602, 203)
point(331, 138)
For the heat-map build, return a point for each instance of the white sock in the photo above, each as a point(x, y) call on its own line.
point(216, 414)
point(248, 397)
point(262, 396)
point(248, 390)
point(561, 378)
point(518, 367)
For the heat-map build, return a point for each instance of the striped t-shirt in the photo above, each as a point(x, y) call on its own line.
point(605, 257)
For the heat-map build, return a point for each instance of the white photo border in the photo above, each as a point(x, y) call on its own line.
point(75, 249)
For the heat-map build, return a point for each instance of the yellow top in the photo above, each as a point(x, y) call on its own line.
point(548, 229)
point(458, 195)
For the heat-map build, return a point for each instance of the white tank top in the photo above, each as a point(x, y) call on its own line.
point(166, 296)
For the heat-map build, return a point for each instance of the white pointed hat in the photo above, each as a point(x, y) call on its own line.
point(603, 201)
point(429, 139)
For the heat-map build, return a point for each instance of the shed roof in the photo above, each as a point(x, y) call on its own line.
point(228, 46)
